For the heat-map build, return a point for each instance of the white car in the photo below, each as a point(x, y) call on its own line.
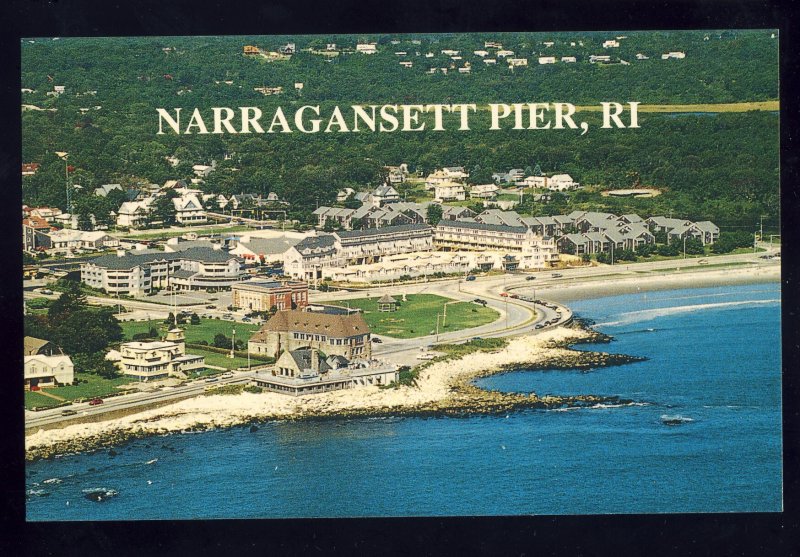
point(227, 375)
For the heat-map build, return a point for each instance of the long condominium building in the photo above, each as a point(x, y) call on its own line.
point(133, 273)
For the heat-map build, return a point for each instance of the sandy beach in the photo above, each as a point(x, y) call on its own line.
point(694, 277)
point(434, 389)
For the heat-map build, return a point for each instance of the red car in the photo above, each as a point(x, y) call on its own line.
point(95, 401)
point(504, 294)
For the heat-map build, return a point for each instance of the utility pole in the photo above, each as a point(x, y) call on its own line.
point(755, 236)
point(761, 234)
point(684, 247)
point(437, 326)
point(233, 342)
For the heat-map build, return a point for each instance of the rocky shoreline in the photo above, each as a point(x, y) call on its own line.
point(461, 399)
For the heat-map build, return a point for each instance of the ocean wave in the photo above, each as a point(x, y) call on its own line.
point(37, 493)
point(599, 406)
point(675, 419)
point(52, 481)
point(648, 314)
point(99, 494)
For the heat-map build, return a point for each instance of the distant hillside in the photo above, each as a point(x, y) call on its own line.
point(721, 165)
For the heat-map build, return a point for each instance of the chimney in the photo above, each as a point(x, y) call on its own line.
point(120, 252)
point(315, 360)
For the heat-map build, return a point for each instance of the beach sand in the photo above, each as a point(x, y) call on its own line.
point(695, 277)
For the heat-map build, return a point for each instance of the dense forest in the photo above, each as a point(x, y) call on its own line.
point(721, 166)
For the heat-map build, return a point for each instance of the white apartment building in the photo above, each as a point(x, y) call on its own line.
point(198, 268)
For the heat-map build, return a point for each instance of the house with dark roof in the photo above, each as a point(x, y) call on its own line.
point(343, 335)
point(385, 194)
point(36, 234)
point(37, 346)
point(305, 371)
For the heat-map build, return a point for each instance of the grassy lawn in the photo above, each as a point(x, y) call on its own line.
point(194, 333)
point(36, 400)
point(95, 386)
point(221, 360)
point(417, 316)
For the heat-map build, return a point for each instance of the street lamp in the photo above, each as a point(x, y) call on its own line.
point(233, 342)
point(684, 247)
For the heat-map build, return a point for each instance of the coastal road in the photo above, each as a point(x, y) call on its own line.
point(133, 402)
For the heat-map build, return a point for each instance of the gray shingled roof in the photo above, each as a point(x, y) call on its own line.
point(266, 246)
point(302, 357)
point(481, 226)
point(131, 260)
point(380, 231)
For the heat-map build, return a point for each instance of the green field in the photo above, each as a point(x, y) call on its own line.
point(36, 400)
point(417, 316)
point(194, 333)
point(221, 360)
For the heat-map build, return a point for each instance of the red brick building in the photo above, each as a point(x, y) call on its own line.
point(263, 295)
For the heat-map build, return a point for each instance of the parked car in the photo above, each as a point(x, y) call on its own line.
point(212, 379)
point(68, 412)
point(227, 375)
point(211, 306)
point(514, 296)
point(480, 301)
point(95, 401)
point(471, 277)
point(557, 275)
point(504, 294)
point(530, 278)
point(46, 291)
point(377, 339)
point(246, 320)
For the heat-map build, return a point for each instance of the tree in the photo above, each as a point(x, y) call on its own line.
point(164, 209)
point(694, 247)
point(434, 214)
point(95, 364)
point(221, 341)
point(71, 300)
point(195, 319)
point(331, 225)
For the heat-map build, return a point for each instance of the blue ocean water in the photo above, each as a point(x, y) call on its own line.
point(714, 364)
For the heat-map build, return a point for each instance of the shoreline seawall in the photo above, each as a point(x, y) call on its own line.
point(444, 388)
